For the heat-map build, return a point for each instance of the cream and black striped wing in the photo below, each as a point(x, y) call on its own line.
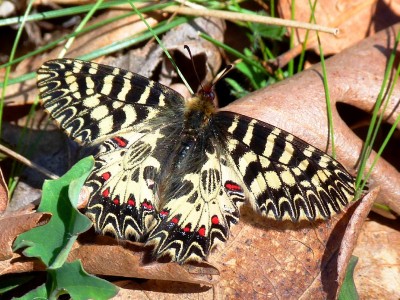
point(286, 178)
point(128, 122)
point(93, 102)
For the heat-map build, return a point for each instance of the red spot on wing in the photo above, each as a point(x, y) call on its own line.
point(106, 192)
point(175, 220)
point(187, 228)
point(121, 142)
point(202, 231)
point(215, 220)
point(106, 175)
point(147, 206)
point(131, 202)
point(164, 213)
point(233, 186)
point(116, 200)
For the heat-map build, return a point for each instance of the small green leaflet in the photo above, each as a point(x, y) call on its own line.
point(81, 286)
point(72, 279)
point(52, 242)
point(349, 290)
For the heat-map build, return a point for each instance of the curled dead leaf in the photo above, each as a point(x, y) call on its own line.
point(349, 241)
point(106, 256)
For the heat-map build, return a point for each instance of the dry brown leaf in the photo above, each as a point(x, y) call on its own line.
point(158, 289)
point(12, 224)
point(298, 105)
point(277, 259)
point(355, 19)
point(20, 264)
point(377, 273)
point(126, 260)
point(206, 55)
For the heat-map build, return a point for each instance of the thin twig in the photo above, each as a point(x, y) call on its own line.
point(235, 16)
point(27, 162)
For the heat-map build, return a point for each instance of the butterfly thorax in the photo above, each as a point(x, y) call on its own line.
point(197, 116)
point(198, 111)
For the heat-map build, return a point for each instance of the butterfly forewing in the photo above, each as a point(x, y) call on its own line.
point(92, 102)
point(174, 172)
point(286, 177)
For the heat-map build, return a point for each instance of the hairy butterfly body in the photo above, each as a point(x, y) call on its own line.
point(173, 172)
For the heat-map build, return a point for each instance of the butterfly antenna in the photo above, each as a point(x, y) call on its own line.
point(194, 67)
point(222, 74)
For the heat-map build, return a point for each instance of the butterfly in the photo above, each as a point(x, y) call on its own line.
point(174, 172)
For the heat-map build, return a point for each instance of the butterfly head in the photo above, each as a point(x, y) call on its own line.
point(204, 98)
point(206, 93)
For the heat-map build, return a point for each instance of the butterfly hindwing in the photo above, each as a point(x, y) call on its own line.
point(122, 201)
point(198, 215)
point(286, 177)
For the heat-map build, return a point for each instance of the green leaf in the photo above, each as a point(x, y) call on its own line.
point(40, 293)
point(349, 290)
point(52, 242)
point(256, 78)
point(10, 283)
point(79, 286)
